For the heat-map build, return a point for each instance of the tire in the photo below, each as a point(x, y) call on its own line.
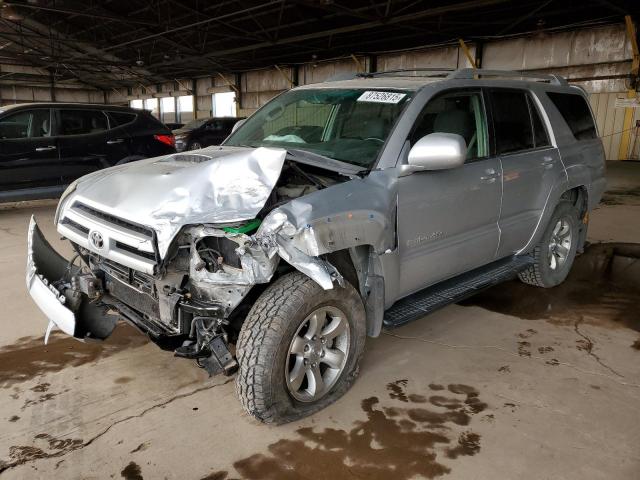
point(279, 317)
point(195, 146)
point(549, 269)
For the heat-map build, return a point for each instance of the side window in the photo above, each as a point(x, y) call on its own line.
point(511, 121)
point(81, 122)
point(540, 137)
point(456, 112)
point(26, 124)
point(119, 119)
point(576, 113)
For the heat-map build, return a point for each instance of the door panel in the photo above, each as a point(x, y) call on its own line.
point(531, 166)
point(28, 155)
point(447, 222)
point(528, 178)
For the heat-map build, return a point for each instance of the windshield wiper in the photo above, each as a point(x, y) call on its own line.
point(322, 160)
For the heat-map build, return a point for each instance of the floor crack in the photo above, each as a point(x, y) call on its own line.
point(4, 466)
point(588, 347)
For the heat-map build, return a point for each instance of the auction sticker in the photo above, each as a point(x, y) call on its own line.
point(381, 97)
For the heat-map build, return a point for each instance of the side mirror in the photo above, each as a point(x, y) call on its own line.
point(438, 151)
point(237, 124)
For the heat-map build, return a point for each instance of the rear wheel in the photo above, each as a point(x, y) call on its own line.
point(195, 146)
point(299, 348)
point(556, 251)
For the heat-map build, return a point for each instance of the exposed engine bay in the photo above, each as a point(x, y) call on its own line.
point(196, 298)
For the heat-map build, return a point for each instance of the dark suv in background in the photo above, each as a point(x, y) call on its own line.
point(45, 146)
point(203, 132)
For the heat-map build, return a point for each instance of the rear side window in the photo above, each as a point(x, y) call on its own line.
point(511, 121)
point(576, 113)
point(119, 119)
point(81, 122)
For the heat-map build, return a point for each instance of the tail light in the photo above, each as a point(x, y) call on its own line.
point(166, 139)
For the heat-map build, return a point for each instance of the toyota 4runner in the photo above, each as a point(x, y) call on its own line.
point(334, 211)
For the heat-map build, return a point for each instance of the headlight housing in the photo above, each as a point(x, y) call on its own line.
point(70, 189)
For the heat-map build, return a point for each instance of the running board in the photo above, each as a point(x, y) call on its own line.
point(421, 303)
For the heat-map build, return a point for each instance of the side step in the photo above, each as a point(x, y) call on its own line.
point(421, 303)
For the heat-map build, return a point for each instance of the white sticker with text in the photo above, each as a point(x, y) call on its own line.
point(381, 97)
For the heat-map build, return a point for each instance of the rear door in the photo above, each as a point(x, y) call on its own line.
point(85, 142)
point(530, 164)
point(28, 151)
point(448, 219)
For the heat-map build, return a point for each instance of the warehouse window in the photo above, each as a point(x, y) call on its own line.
point(511, 121)
point(224, 104)
point(168, 109)
point(576, 113)
point(185, 108)
point(151, 104)
point(136, 104)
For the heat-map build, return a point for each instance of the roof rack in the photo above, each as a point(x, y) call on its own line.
point(428, 72)
point(468, 74)
point(473, 73)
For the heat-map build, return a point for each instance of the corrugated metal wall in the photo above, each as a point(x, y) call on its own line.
point(609, 119)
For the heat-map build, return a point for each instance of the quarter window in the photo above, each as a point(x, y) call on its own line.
point(81, 122)
point(121, 118)
point(461, 113)
point(26, 124)
point(511, 121)
point(576, 113)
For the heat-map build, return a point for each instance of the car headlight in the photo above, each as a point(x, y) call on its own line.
point(70, 189)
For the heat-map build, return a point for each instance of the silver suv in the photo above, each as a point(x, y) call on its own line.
point(335, 210)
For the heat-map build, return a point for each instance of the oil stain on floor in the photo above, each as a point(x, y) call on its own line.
point(603, 288)
point(400, 439)
point(29, 357)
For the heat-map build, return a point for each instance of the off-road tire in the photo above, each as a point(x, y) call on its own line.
point(263, 346)
point(540, 274)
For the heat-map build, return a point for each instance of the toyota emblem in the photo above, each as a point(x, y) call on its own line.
point(96, 239)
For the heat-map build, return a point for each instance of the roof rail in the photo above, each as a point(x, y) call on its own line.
point(472, 73)
point(435, 72)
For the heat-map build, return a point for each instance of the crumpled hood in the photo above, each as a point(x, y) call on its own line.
point(212, 185)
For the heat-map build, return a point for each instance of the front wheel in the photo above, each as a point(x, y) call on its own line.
point(554, 255)
point(299, 348)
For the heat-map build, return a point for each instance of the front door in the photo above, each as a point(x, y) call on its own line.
point(448, 219)
point(28, 152)
point(531, 166)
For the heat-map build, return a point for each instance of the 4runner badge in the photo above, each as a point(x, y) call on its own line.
point(96, 239)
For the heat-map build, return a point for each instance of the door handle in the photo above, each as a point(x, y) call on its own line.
point(117, 140)
point(490, 176)
point(547, 162)
point(45, 149)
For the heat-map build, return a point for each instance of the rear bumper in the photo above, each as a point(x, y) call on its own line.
point(48, 279)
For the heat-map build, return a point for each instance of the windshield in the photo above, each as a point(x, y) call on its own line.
point(193, 124)
point(350, 125)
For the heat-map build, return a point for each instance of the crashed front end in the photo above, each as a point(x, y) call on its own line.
point(180, 269)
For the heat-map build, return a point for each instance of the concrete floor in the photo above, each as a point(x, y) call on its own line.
point(516, 383)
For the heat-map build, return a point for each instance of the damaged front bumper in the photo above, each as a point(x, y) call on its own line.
point(50, 281)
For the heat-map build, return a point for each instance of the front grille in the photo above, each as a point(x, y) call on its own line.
point(122, 241)
point(113, 219)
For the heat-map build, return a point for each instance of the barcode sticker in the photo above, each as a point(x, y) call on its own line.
point(381, 97)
